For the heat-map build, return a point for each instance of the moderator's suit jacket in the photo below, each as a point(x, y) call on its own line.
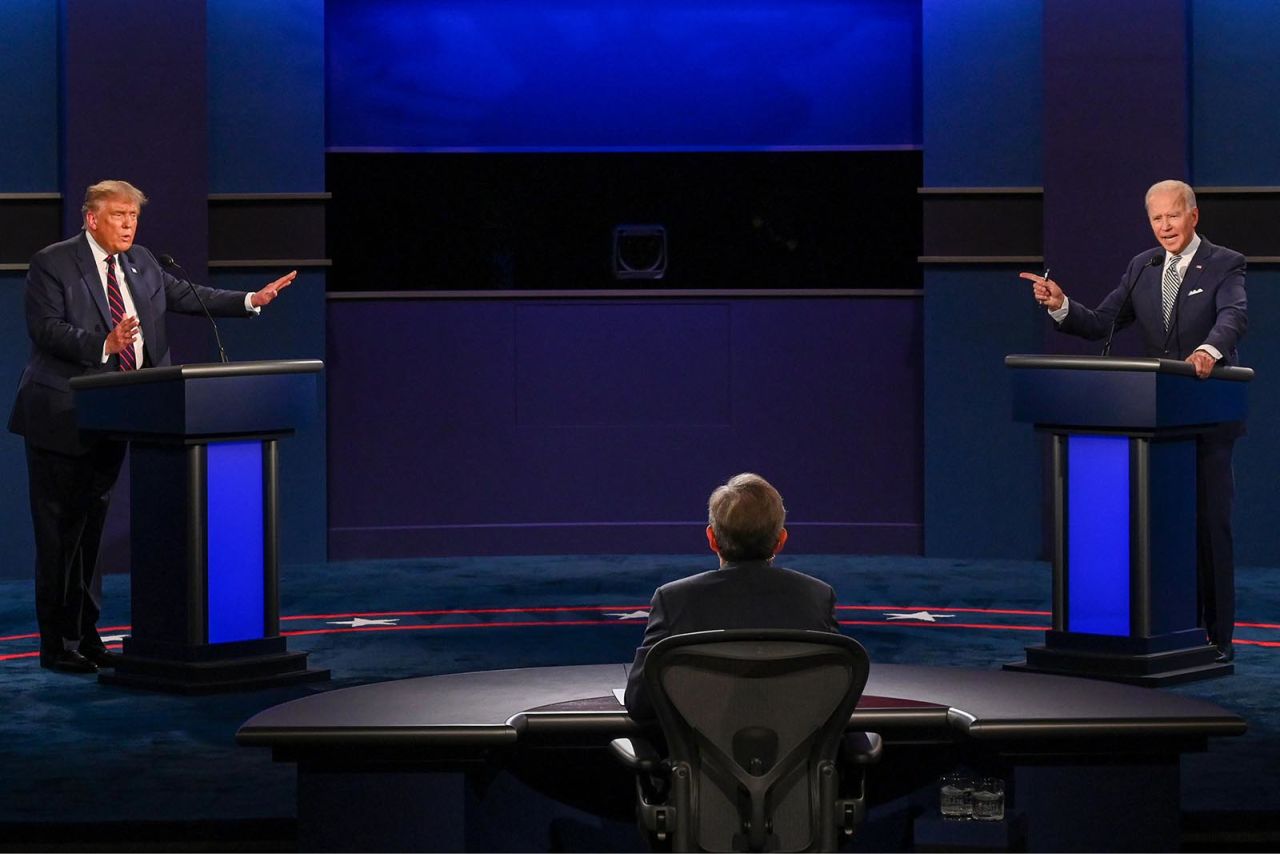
point(1211, 307)
point(748, 595)
point(68, 321)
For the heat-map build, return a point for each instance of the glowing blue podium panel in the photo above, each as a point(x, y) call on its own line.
point(1123, 456)
point(236, 551)
point(1098, 553)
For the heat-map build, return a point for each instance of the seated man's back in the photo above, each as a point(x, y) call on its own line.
point(746, 529)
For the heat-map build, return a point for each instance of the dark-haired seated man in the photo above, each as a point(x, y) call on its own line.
point(745, 520)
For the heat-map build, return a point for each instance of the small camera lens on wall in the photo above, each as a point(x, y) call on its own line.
point(639, 252)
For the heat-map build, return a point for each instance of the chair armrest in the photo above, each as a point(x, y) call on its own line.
point(861, 748)
point(637, 754)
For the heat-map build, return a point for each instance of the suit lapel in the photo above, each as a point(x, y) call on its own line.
point(141, 289)
point(90, 279)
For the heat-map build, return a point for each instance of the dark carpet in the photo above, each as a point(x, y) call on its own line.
point(83, 764)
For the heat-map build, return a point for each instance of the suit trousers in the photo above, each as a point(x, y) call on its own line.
point(1215, 555)
point(69, 500)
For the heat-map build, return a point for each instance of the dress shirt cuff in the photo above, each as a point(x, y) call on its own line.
point(1060, 314)
point(249, 306)
point(1212, 351)
point(105, 354)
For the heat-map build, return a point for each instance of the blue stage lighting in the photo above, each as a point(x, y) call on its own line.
point(623, 75)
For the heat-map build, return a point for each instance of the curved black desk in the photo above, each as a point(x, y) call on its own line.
point(450, 761)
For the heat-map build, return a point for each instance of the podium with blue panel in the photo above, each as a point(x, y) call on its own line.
point(204, 450)
point(1123, 461)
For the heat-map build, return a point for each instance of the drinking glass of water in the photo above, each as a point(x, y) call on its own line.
point(988, 799)
point(955, 797)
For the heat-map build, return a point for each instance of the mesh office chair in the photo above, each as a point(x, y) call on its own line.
point(753, 720)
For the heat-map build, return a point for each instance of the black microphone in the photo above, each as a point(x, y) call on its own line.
point(1156, 260)
point(168, 262)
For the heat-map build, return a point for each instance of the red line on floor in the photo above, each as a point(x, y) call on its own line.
point(923, 625)
point(506, 624)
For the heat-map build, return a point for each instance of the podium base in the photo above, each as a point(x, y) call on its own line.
point(209, 668)
point(1152, 670)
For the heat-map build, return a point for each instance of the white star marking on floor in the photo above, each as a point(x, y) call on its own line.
point(922, 616)
point(357, 622)
point(629, 615)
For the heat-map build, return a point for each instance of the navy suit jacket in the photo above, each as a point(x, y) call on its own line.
point(748, 595)
point(68, 321)
point(1211, 307)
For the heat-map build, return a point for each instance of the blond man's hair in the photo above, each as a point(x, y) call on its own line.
point(104, 190)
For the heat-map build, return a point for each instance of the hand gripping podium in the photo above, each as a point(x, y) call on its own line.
point(203, 467)
point(1123, 458)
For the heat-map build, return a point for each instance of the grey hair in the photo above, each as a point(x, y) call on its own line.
point(1170, 186)
point(746, 515)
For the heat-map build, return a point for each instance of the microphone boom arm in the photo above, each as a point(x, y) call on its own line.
point(167, 262)
point(1128, 296)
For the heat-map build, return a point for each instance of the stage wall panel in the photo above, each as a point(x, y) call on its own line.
point(523, 426)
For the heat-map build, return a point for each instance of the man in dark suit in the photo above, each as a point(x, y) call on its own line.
point(94, 303)
point(1187, 298)
point(745, 528)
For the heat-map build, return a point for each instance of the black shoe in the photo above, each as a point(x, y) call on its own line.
point(99, 655)
point(69, 661)
point(1226, 653)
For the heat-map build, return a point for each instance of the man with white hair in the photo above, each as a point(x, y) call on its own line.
point(1193, 308)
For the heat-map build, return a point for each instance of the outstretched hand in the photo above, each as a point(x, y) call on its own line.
point(1046, 291)
point(271, 291)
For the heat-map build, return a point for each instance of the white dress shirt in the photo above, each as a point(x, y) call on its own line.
point(100, 261)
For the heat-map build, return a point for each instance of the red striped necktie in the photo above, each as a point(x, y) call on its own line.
point(128, 359)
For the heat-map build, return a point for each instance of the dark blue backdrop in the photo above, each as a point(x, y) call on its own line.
point(626, 74)
point(1234, 80)
point(968, 81)
point(29, 100)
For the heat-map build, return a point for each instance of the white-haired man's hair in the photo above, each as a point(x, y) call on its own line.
point(1171, 186)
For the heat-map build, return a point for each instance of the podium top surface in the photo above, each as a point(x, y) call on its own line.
point(207, 370)
point(1133, 395)
point(1124, 363)
point(202, 400)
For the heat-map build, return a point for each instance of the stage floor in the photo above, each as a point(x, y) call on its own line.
point(93, 753)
